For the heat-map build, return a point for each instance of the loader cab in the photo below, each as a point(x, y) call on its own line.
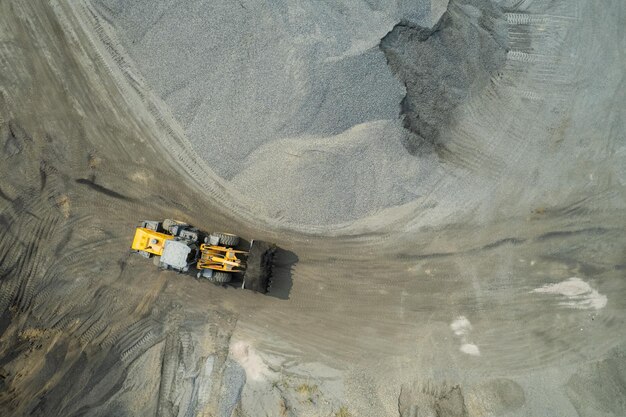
point(179, 255)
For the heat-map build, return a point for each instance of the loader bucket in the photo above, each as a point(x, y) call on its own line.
point(258, 273)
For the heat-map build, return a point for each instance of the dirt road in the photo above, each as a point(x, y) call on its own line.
point(499, 291)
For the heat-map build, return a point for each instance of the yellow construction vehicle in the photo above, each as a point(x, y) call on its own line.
point(176, 246)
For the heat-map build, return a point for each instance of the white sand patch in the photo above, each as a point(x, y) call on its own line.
point(141, 176)
point(579, 294)
point(470, 349)
point(461, 326)
point(250, 361)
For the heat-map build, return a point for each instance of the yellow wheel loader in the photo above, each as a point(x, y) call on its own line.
point(217, 257)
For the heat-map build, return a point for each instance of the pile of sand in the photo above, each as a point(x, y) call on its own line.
point(322, 112)
point(293, 102)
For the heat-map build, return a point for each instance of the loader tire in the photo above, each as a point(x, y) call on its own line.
point(168, 223)
point(226, 239)
point(151, 224)
point(220, 277)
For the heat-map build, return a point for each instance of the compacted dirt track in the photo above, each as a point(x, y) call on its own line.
point(500, 291)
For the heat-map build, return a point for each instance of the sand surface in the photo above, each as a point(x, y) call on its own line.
point(476, 269)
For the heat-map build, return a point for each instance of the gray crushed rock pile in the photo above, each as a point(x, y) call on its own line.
point(443, 65)
point(364, 167)
point(293, 101)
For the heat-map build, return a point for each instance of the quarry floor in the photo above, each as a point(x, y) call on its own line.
point(498, 290)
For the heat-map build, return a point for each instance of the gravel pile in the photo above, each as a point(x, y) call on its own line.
point(294, 101)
